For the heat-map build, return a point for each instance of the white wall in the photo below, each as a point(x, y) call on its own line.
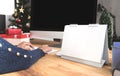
point(113, 6)
point(116, 12)
point(7, 8)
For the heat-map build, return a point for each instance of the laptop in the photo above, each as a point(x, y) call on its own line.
point(85, 44)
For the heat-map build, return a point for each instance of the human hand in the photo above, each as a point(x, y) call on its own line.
point(26, 45)
point(45, 48)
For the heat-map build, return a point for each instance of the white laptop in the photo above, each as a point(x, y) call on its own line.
point(85, 44)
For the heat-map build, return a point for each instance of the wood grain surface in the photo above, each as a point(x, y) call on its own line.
point(52, 65)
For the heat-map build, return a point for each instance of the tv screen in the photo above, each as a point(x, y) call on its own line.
point(2, 24)
point(49, 15)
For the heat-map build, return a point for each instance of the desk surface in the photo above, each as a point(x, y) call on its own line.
point(52, 65)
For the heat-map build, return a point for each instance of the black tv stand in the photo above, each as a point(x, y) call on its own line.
point(56, 43)
point(59, 43)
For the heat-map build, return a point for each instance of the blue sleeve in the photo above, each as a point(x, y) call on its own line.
point(36, 55)
point(13, 58)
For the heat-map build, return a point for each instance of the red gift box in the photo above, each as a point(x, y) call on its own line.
point(15, 36)
point(12, 31)
point(16, 39)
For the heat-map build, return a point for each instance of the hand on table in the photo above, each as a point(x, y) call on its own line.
point(28, 46)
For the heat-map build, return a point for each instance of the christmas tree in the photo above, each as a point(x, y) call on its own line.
point(105, 18)
point(21, 16)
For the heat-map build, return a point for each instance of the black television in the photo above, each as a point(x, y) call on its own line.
point(2, 24)
point(48, 17)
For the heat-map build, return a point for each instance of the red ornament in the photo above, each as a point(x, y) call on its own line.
point(18, 20)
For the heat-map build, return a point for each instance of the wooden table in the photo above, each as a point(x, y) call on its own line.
point(52, 65)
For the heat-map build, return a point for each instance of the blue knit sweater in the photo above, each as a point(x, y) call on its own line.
point(13, 58)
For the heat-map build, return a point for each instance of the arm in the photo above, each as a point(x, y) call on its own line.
point(13, 58)
point(36, 55)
